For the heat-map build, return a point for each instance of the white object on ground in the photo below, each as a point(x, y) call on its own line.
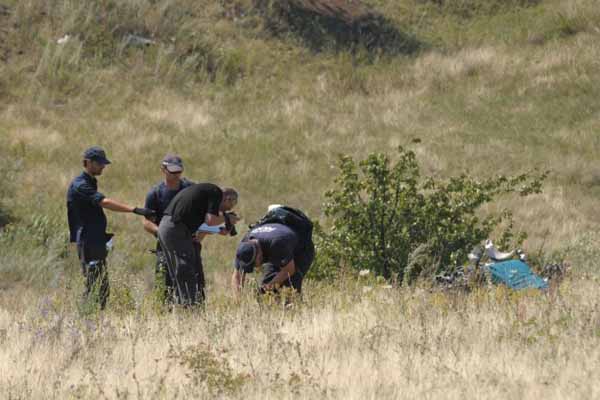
point(138, 41)
point(494, 254)
point(273, 206)
point(63, 39)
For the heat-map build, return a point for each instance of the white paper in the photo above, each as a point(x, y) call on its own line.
point(211, 229)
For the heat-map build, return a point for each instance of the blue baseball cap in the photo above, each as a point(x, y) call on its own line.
point(96, 153)
point(172, 163)
point(245, 256)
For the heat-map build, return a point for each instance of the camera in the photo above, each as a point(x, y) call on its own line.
point(228, 225)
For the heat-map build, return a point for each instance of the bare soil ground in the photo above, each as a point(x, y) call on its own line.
point(349, 11)
point(342, 24)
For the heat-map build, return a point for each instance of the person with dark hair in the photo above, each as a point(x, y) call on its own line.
point(157, 199)
point(189, 209)
point(87, 222)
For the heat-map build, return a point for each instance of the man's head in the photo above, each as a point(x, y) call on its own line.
point(248, 256)
point(172, 166)
point(230, 199)
point(94, 160)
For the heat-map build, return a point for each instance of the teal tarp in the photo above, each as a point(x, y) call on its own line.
point(516, 275)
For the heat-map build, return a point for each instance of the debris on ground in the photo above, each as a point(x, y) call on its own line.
point(514, 274)
point(499, 268)
point(64, 39)
point(555, 271)
point(138, 41)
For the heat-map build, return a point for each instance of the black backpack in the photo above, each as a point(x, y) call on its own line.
point(290, 217)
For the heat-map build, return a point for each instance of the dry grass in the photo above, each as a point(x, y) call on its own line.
point(343, 342)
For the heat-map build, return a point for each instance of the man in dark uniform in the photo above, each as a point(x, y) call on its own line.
point(197, 204)
point(157, 199)
point(87, 222)
point(281, 253)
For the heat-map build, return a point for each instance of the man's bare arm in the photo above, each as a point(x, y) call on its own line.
point(212, 220)
point(150, 226)
point(237, 280)
point(286, 272)
point(114, 205)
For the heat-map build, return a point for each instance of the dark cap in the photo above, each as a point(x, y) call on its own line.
point(245, 256)
point(172, 163)
point(96, 153)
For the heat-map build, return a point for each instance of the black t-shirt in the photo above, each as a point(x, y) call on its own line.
point(191, 205)
point(277, 242)
point(159, 197)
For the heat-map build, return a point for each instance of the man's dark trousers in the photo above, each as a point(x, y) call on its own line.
point(93, 265)
point(163, 275)
point(182, 255)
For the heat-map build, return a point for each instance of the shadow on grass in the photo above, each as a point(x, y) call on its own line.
point(337, 25)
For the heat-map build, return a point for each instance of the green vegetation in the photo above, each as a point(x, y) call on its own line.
point(382, 213)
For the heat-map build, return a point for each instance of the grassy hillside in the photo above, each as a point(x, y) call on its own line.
point(251, 98)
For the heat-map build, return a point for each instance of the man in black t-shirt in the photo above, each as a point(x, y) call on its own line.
point(199, 203)
point(281, 253)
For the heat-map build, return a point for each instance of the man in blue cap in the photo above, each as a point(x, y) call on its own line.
point(157, 199)
point(283, 255)
point(87, 222)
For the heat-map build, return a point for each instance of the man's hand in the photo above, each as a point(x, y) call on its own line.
point(267, 287)
point(231, 218)
point(144, 212)
point(237, 282)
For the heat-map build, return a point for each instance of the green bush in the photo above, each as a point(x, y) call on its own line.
point(390, 220)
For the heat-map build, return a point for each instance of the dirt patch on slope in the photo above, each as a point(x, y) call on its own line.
point(338, 25)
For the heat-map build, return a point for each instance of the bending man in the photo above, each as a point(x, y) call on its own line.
point(199, 203)
point(283, 254)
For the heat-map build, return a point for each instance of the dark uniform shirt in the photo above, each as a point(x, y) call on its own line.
point(159, 197)
point(87, 221)
point(277, 242)
point(191, 205)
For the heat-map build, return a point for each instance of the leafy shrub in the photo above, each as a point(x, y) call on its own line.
point(387, 217)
